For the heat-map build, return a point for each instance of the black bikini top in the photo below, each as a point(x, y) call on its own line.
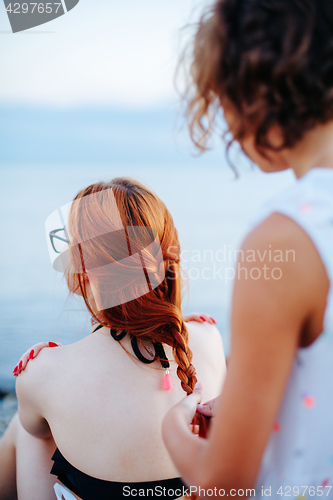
point(159, 349)
point(91, 488)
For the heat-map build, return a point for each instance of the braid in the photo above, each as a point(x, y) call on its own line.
point(183, 357)
point(186, 373)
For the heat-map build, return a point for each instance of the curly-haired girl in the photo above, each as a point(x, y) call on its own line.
point(268, 64)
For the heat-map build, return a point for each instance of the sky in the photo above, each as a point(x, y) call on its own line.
point(120, 53)
point(91, 96)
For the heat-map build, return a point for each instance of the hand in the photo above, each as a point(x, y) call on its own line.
point(30, 354)
point(178, 422)
point(200, 318)
point(187, 407)
point(208, 409)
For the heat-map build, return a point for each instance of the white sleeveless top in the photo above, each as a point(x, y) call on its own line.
point(300, 449)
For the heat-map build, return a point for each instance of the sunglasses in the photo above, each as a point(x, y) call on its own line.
point(58, 239)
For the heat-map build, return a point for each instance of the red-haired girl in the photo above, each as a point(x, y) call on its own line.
point(97, 405)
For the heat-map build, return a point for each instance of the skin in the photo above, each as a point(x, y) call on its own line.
point(50, 396)
point(31, 353)
point(25, 464)
point(270, 319)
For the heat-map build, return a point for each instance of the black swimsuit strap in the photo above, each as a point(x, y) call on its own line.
point(117, 336)
point(139, 354)
point(159, 349)
point(160, 353)
point(97, 328)
point(113, 333)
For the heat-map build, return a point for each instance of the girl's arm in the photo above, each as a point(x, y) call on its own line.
point(268, 316)
point(32, 394)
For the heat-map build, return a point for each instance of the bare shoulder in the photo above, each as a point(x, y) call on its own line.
point(34, 380)
point(280, 231)
point(280, 285)
point(279, 242)
point(204, 333)
point(45, 360)
point(206, 344)
point(205, 341)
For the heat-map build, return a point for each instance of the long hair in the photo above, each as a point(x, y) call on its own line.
point(155, 314)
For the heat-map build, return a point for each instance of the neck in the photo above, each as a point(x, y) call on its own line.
point(314, 150)
point(94, 324)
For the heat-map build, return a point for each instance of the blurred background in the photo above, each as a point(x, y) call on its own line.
point(87, 97)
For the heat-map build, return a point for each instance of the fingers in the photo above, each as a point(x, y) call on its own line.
point(23, 362)
point(180, 418)
point(187, 407)
point(200, 318)
point(30, 354)
point(207, 409)
point(198, 388)
point(209, 319)
point(191, 402)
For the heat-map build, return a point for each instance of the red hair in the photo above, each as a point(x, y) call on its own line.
point(156, 315)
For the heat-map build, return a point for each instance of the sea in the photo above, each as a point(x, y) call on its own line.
point(212, 210)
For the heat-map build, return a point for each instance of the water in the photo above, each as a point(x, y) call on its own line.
point(211, 212)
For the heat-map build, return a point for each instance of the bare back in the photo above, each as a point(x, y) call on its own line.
point(105, 407)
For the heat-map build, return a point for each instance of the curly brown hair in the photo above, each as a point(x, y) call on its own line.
point(271, 61)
